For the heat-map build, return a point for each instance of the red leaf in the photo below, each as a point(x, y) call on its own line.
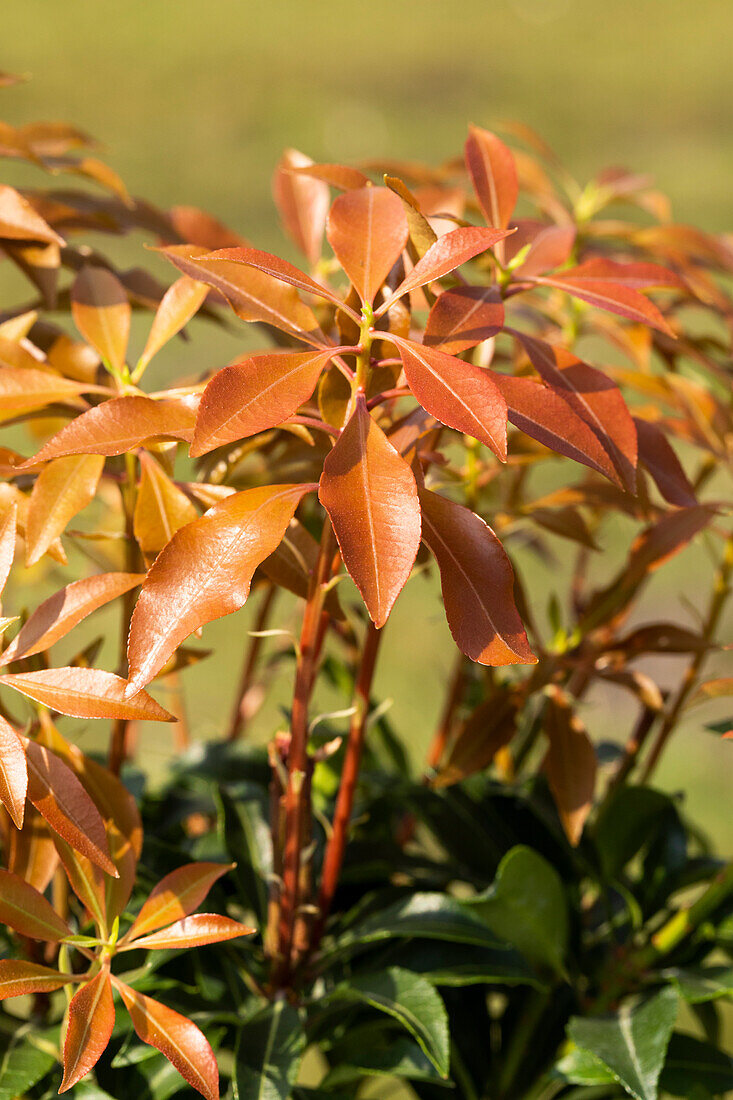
point(120, 425)
point(87, 881)
point(302, 202)
point(256, 394)
point(13, 773)
point(370, 495)
point(195, 931)
point(549, 249)
point(463, 317)
point(448, 253)
point(459, 394)
point(279, 269)
point(570, 765)
point(18, 978)
point(25, 910)
point(637, 276)
point(57, 615)
point(86, 693)
point(493, 174)
point(91, 1019)
point(367, 229)
point(205, 572)
point(177, 895)
point(616, 297)
point(657, 454)
point(662, 540)
point(477, 581)
point(102, 313)
point(174, 1036)
point(8, 532)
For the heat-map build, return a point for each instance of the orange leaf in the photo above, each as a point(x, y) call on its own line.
point(462, 317)
point(161, 508)
point(367, 229)
point(461, 395)
point(13, 773)
point(370, 495)
point(662, 540)
point(656, 452)
point(102, 313)
point(57, 615)
point(302, 202)
point(493, 174)
point(91, 1019)
point(8, 531)
point(177, 895)
point(195, 931)
point(477, 581)
point(205, 572)
point(32, 854)
point(86, 693)
point(177, 306)
point(20, 222)
point(25, 389)
point(87, 881)
point(61, 490)
point(25, 910)
point(174, 1036)
point(120, 425)
point(570, 765)
point(614, 296)
point(342, 176)
point(18, 978)
point(279, 269)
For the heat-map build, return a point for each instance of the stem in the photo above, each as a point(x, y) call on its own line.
point(118, 749)
point(363, 359)
point(336, 846)
point(241, 714)
point(721, 591)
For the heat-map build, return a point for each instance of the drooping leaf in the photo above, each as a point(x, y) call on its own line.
point(302, 202)
point(459, 394)
point(161, 508)
point(19, 978)
point(269, 1050)
point(195, 931)
point(367, 229)
point(178, 305)
point(57, 615)
point(102, 312)
point(19, 221)
point(370, 495)
point(13, 773)
point(120, 425)
point(662, 540)
point(177, 895)
point(609, 294)
point(256, 394)
point(26, 389)
point(570, 765)
point(174, 1036)
point(205, 572)
point(61, 490)
point(23, 908)
point(656, 452)
point(463, 317)
point(276, 268)
point(91, 1019)
point(86, 693)
point(477, 581)
point(633, 1043)
point(703, 983)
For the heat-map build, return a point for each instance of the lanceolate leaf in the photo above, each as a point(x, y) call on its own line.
point(87, 881)
point(19, 978)
point(477, 582)
point(616, 297)
point(7, 542)
point(31, 851)
point(119, 425)
point(342, 176)
point(13, 773)
point(656, 452)
point(279, 269)
point(493, 174)
point(570, 765)
point(102, 313)
point(302, 202)
point(448, 253)
point(177, 895)
point(57, 615)
point(370, 495)
point(367, 229)
point(178, 305)
point(256, 394)
point(91, 1019)
point(161, 508)
point(462, 317)
point(195, 931)
point(20, 222)
point(638, 276)
point(26, 389)
point(28, 912)
point(269, 1049)
point(86, 693)
point(661, 540)
point(461, 395)
point(174, 1036)
point(205, 572)
point(61, 490)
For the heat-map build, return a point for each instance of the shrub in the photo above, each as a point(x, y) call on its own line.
point(523, 919)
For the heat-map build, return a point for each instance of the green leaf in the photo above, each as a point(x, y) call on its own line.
point(703, 983)
point(21, 1064)
point(269, 1049)
point(412, 1001)
point(526, 907)
point(633, 1043)
point(385, 1056)
point(458, 964)
point(245, 832)
point(693, 1063)
point(626, 823)
point(580, 1067)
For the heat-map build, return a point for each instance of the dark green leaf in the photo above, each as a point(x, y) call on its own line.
point(269, 1049)
point(625, 824)
point(703, 983)
point(21, 1064)
point(693, 1063)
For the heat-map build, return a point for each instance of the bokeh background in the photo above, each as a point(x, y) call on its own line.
point(195, 101)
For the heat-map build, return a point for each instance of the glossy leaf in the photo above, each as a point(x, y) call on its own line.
point(102, 314)
point(279, 269)
point(570, 764)
point(195, 931)
point(461, 395)
point(8, 532)
point(302, 202)
point(177, 895)
point(256, 394)
point(178, 305)
point(493, 174)
point(13, 773)
point(205, 572)
point(477, 581)
point(120, 425)
point(60, 613)
point(463, 317)
point(616, 297)
point(62, 489)
point(637, 276)
point(89, 1028)
point(656, 452)
point(18, 978)
point(161, 508)
point(24, 909)
point(86, 693)
point(174, 1036)
point(370, 495)
point(367, 229)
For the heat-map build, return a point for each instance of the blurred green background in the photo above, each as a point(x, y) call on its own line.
point(194, 103)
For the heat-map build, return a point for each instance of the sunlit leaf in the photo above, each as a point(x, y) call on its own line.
point(13, 773)
point(25, 389)
point(18, 978)
point(161, 508)
point(302, 202)
point(8, 531)
point(178, 305)
point(463, 317)
point(102, 314)
point(279, 269)
point(62, 489)
point(195, 931)
point(89, 1029)
point(20, 222)
point(23, 908)
point(177, 895)
point(86, 693)
point(367, 229)
point(494, 177)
